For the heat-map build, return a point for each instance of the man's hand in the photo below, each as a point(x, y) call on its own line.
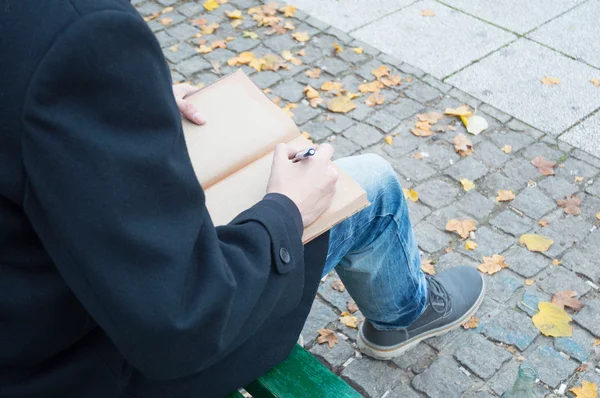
point(310, 183)
point(186, 108)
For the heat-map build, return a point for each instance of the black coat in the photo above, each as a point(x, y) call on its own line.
point(113, 279)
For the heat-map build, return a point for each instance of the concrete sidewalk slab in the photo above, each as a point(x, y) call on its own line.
point(516, 15)
point(575, 33)
point(440, 45)
point(510, 80)
point(585, 135)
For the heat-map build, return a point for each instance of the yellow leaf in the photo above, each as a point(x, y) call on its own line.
point(327, 336)
point(166, 21)
point(543, 223)
point(470, 245)
point(236, 22)
point(305, 135)
point(596, 82)
point(596, 342)
point(598, 215)
point(301, 36)
point(381, 71)
point(507, 149)
point(552, 320)
point(313, 73)
point(204, 49)
point(529, 282)
point(209, 29)
point(388, 139)
point(314, 102)
point(556, 262)
point(392, 81)
point(349, 320)
point(375, 99)
point(332, 86)
point(250, 35)
point(341, 104)
point(310, 92)
point(587, 390)
point(550, 81)
point(427, 13)
point(462, 110)
point(578, 179)
point(467, 184)
point(472, 323)
point(427, 267)
point(151, 17)
point(431, 117)
point(493, 264)
point(211, 5)
point(352, 95)
point(411, 194)
point(174, 48)
point(474, 124)
point(167, 10)
point(289, 25)
point(505, 195)
point(358, 50)
point(461, 227)
point(288, 11)
point(236, 14)
point(372, 87)
point(338, 48)
point(536, 243)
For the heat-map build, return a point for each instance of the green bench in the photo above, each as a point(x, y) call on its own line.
point(302, 376)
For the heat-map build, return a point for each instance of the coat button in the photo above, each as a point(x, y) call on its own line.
point(284, 255)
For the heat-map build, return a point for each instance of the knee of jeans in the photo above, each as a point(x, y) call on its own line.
point(382, 185)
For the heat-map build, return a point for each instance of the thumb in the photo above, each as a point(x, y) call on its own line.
point(190, 112)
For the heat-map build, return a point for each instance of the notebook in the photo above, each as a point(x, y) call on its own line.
point(232, 153)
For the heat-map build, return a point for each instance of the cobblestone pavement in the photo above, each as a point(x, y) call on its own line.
point(479, 362)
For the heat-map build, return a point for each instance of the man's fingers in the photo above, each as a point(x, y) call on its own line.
point(324, 151)
point(283, 152)
point(190, 112)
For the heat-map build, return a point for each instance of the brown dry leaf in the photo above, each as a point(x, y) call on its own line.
point(327, 336)
point(550, 81)
point(375, 99)
point(332, 86)
point(314, 73)
point(349, 320)
point(204, 49)
point(421, 133)
point(302, 37)
point(431, 117)
point(289, 25)
point(418, 155)
point(235, 14)
point(288, 11)
point(371, 87)
point(462, 145)
point(174, 48)
point(428, 12)
point(427, 267)
point(596, 342)
point(595, 82)
point(493, 264)
point(167, 10)
point(338, 48)
point(461, 227)
point(411, 194)
point(236, 22)
point(507, 149)
point(211, 5)
point(388, 139)
point(552, 320)
point(462, 110)
point(472, 323)
point(470, 245)
point(199, 21)
point(443, 129)
point(467, 184)
point(423, 125)
point(392, 81)
point(358, 50)
point(543, 223)
point(341, 104)
point(352, 95)
point(529, 282)
point(567, 298)
point(310, 92)
point(277, 101)
point(166, 21)
point(218, 44)
point(338, 285)
point(151, 17)
point(210, 29)
point(545, 167)
point(301, 53)
point(570, 205)
point(505, 195)
point(273, 62)
point(536, 243)
point(556, 262)
point(383, 70)
point(587, 390)
point(351, 305)
point(316, 102)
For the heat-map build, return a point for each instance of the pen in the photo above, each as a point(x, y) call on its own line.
point(303, 154)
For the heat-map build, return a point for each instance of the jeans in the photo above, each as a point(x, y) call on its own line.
point(375, 252)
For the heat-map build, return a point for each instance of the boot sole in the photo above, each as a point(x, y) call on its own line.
point(386, 353)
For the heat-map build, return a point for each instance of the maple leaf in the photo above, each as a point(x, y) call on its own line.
point(301, 36)
point(375, 99)
point(467, 184)
point(507, 149)
point(358, 50)
point(388, 139)
point(570, 205)
point(587, 390)
point(472, 323)
point(543, 223)
point(236, 14)
point(301, 53)
point(536, 243)
point(383, 70)
point(349, 320)
point(211, 5)
point(595, 82)
point(352, 307)
point(313, 73)
point(443, 129)
point(327, 336)
point(567, 298)
point(272, 62)
point(596, 342)
point(462, 110)
point(338, 286)
point(461, 227)
point(411, 194)
point(545, 167)
point(288, 11)
point(470, 245)
point(428, 12)
point(288, 109)
point(371, 87)
point(431, 117)
point(492, 264)
point(204, 49)
point(338, 48)
point(462, 145)
point(505, 195)
point(341, 104)
point(550, 81)
point(529, 282)
point(475, 124)
point(552, 320)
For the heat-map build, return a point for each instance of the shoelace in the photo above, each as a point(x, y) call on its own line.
point(438, 296)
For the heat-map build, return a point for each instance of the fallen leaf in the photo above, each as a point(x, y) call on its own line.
point(543, 223)
point(338, 48)
point(427, 267)
point(596, 342)
point(556, 262)
point(250, 35)
point(567, 298)
point(411, 194)
point(462, 110)
point(174, 48)
point(166, 21)
point(418, 155)
point(507, 149)
point(349, 320)
point(199, 21)
point(341, 104)
point(288, 109)
point(236, 22)
point(472, 323)
point(316, 102)
point(310, 92)
point(327, 336)
point(461, 227)
point(545, 167)
point(392, 81)
point(536, 243)
point(204, 49)
point(475, 124)
point(493, 264)
point(151, 17)
point(167, 10)
point(529, 282)
point(314, 73)
point(273, 62)
point(352, 95)
point(305, 135)
point(288, 11)
point(338, 286)
point(467, 184)
point(351, 305)
point(431, 117)
point(462, 145)
point(598, 215)
point(552, 320)
point(218, 44)
point(421, 132)
point(371, 87)
point(550, 81)
point(289, 25)
point(587, 390)
point(428, 12)
point(383, 70)
point(332, 86)
point(470, 245)
point(443, 129)
point(570, 205)
point(211, 5)
point(301, 36)
point(236, 14)
point(388, 139)
point(578, 179)
point(505, 195)
point(375, 99)
point(595, 82)
point(358, 50)
point(210, 29)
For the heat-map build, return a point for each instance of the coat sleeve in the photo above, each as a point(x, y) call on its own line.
point(113, 197)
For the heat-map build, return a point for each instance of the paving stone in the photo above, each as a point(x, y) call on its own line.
point(431, 239)
point(589, 207)
point(417, 359)
point(340, 35)
point(404, 141)
point(266, 79)
point(205, 78)
point(533, 202)
point(190, 9)
point(316, 130)
point(422, 92)
point(289, 90)
point(447, 343)
point(383, 121)
point(320, 315)
point(155, 26)
point(176, 77)
point(182, 31)
point(221, 55)
point(562, 279)
point(304, 112)
point(437, 193)
point(544, 150)
point(363, 135)
point(489, 242)
point(403, 390)
point(502, 286)
point(484, 366)
point(338, 299)
point(167, 2)
point(512, 223)
point(589, 316)
point(343, 147)
point(495, 113)
point(565, 231)
point(573, 168)
point(336, 122)
point(468, 168)
point(184, 51)
point(530, 300)
point(417, 212)
point(373, 377)
point(516, 140)
point(505, 378)
point(488, 309)
point(438, 154)
point(578, 346)
point(476, 204)
point(490, 155)
point(334, 66)
point(413, 169)
point(464, 98)
point(594, 188)
point(148, 9)
point(193, 65)
point(520, 171)
point(583, 259)
point(439, 218)
point(361, 112)
point(240, 44)
point(435, 83)
point(525, 263)
point(492, 183)
point(443, 379)
point(557, 187)
point(453, 259)
point(366, 70)
point(304, 27)
point(316, 23)
point(483, 394)
point(586, 157)
point(552, 367)
point(333, 357)
point(403, 108)
point(351, 57)
point(511, 327)
point(165, 40)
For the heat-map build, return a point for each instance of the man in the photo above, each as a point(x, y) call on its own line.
point(113, 280)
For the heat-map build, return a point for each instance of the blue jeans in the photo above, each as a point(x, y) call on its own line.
point(375, 251)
